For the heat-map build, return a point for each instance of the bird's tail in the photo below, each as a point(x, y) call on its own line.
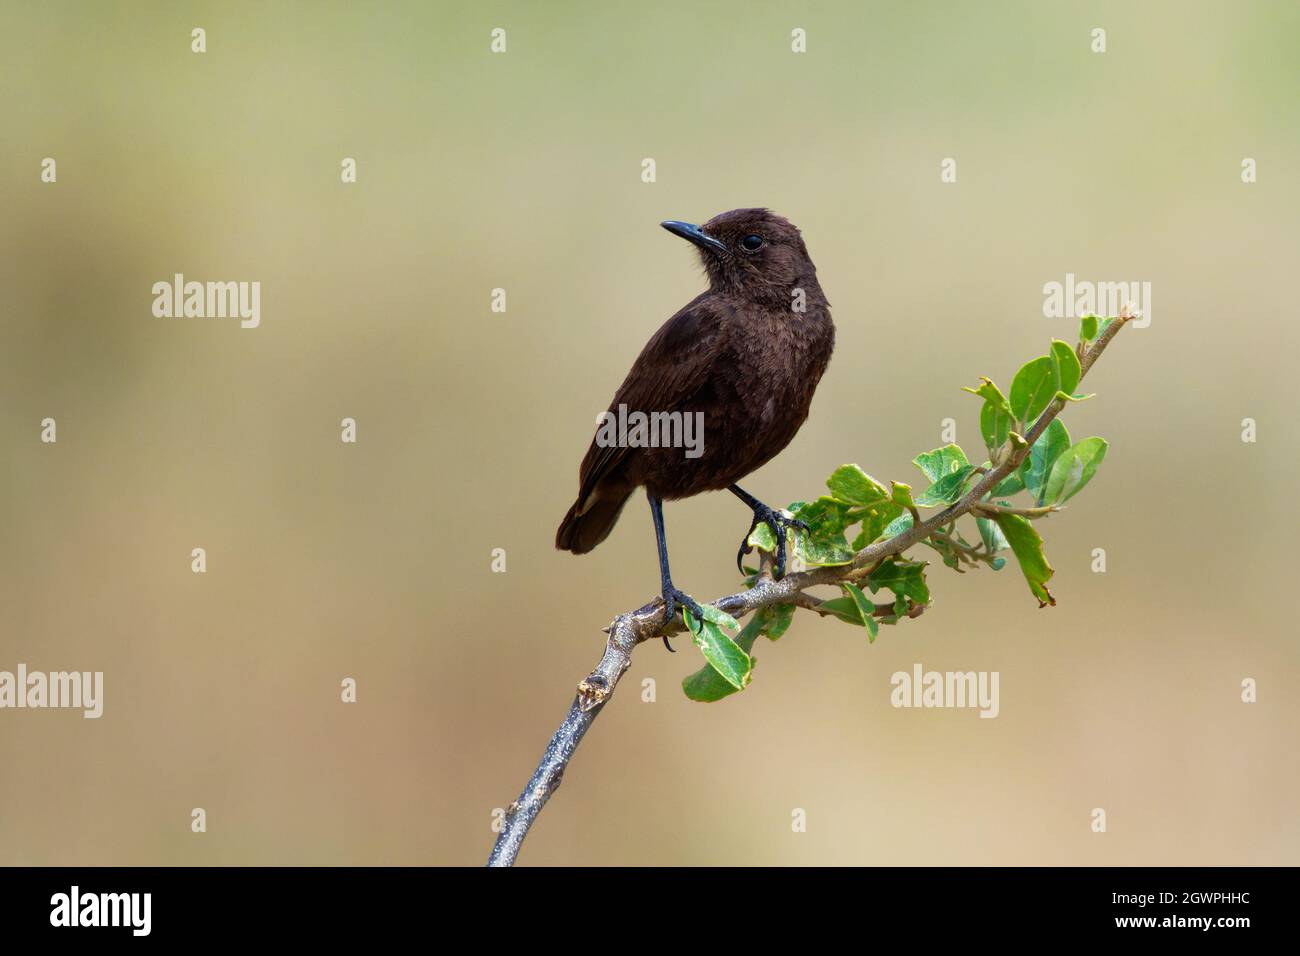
point(579, 532)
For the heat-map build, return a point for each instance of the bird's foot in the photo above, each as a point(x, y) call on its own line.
point(780, 523)
point(673, 599)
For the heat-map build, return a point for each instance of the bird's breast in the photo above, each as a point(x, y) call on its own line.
point(753, 402)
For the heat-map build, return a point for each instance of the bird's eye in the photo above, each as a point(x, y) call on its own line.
point(751, 243)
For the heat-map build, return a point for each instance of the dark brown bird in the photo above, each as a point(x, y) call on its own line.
point(742, 359)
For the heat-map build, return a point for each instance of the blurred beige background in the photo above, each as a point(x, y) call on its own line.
point(522, 171)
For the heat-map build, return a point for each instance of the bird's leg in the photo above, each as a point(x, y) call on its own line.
point(672, 597)
point(774, 519)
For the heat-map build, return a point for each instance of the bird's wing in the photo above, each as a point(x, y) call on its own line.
point(675, 364)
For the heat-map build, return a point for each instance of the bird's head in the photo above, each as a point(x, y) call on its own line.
point(752, 252)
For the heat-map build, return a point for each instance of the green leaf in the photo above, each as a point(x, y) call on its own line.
point(706, 684)
point(896, 527)
point(1009, 485)
point(824, 543)
point(719, 617)
point(823, 552)
point(946, 490)
point(1054, 441)
point(854, 608)
point(866, 609)
point(846, 609)
point(1033, 388)
point(1027, 546)
point(904, 578)
point(778, 621)
point(947, 552)
point(900, 611)
point(995, 414)
point(762, 538)
point(1087, 328)
point(995, 424)
point(849, 483)
point(1073, 470)
point(985, 389)
point(1066, 365)
point(875, 520)
point(825, 516)
point(992, 536)
point(901, 494)
point(940, 462)
point(723, 654)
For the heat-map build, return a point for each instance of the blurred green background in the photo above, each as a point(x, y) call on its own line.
point(522, 171)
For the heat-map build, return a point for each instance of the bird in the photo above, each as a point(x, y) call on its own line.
point(742, 359)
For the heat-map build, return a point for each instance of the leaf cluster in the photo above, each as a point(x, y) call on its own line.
point(858, 511)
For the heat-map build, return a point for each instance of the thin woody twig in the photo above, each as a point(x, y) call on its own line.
point(988, 507)
point(646, 622)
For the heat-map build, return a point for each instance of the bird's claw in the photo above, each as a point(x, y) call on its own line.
point(673, 599)
point(778, 522)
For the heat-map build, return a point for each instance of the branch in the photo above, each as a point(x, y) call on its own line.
point(989, 508)
point(646, 622)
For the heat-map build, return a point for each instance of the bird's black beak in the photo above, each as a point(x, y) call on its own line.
point(695, 234)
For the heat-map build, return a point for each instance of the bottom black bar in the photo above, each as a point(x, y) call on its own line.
point(1170, 906)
